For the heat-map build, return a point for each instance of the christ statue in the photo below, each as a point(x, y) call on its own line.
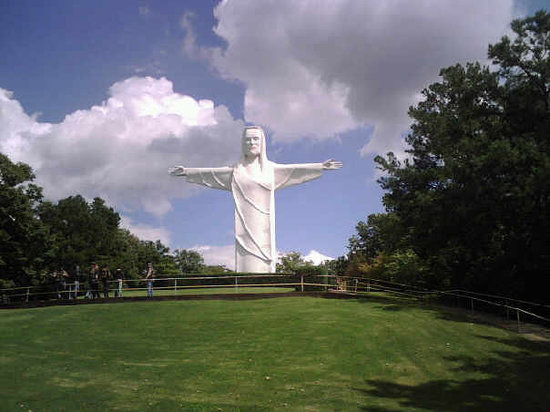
point(253, 181)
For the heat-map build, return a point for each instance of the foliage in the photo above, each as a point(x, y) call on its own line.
point(23, 239)
point(293, 263)
point(337, 266)
point(215, 270)
point(188, 261)
point(81, 232)
point(472, 202)
point(289, 262)
point(38, 237)
point(159, 255)
point(381, 232)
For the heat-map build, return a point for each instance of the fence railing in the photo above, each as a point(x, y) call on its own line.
point(499, 305)
point(113, 288)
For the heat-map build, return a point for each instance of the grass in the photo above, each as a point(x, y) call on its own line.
point(285, 353)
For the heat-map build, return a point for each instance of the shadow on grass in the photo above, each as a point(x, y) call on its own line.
point(457, 313)
point(510, 381)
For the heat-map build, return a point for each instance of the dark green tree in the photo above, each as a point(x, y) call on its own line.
point(383, 232)
point(82, 232)
point(474, 200)
point(337, 266)
point(23, 239)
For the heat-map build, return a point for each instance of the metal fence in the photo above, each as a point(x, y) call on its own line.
point(87, 290)
point(511, 309)
point(506, 307)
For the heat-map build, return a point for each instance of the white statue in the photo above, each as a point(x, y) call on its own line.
point(253, 182)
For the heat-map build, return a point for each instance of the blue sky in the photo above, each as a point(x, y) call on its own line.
point(102, 97)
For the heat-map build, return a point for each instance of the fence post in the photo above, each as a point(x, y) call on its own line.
point(517, 316)
point(356, 282)
point(472, 304)
point(28, 292)
point(302, 282)
point(175, 286)
point(507, 310)
point(236, 284)
point(368, 286)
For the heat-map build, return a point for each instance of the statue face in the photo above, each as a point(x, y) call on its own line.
point(252, 142)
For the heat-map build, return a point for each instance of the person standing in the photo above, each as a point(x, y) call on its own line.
point(94, 280)
point(119, 278)
point(56, 282)
point(65, 281)
point(76, 281)
point(105, 278)
point(150, 279)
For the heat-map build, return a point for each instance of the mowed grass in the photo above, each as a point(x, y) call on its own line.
point(284, 353)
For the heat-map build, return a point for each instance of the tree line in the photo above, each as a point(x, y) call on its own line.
point(470, 206)
point(38, 237)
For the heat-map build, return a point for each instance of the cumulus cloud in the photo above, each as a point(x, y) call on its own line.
point(318, 68)
point(217, 255)
point(121, 149)
point(144, 231)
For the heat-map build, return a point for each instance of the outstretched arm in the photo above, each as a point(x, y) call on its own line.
point(294, 174)
point(213, 177)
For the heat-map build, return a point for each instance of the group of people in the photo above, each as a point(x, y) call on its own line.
point(98, 280)
point(103, 275)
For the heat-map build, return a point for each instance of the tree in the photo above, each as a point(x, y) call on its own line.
point(38, 236)
point(473, 200)
point(381, 233)
point(81, 232)
point(215, 270)
point(290, 262)
point(159, 255)
point(294, 263)
point(23, 239)
point(188, 261)
point(336, 266)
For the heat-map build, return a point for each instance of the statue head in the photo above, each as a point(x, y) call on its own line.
point(254, 144)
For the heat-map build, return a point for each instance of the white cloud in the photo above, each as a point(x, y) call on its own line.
point(319, 67)
point(122, 148)
point(217, 255)
point(146, 232)
point(316, 257)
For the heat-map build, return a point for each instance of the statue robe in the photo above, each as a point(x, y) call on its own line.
point(255, 249)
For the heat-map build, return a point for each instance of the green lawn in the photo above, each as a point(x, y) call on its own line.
point(284, 353)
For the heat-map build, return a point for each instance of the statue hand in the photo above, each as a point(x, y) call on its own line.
point(177, 171)
point(332, 164)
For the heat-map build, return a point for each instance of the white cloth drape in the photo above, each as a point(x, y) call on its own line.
point(255, 249)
